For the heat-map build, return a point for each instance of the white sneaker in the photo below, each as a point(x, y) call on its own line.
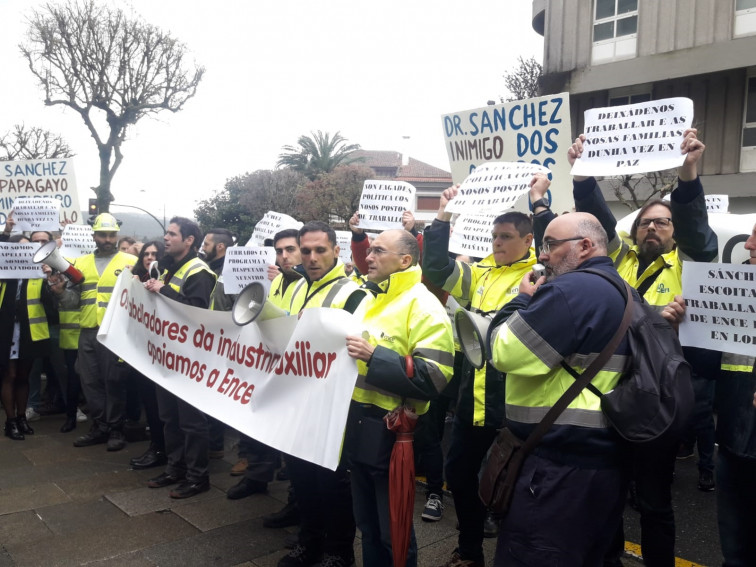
point(31, 415)
point(434, 509)
point(80, 415)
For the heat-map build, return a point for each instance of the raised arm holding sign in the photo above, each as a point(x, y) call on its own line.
point(383, 203)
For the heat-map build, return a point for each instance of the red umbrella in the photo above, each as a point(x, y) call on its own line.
point(401, 481)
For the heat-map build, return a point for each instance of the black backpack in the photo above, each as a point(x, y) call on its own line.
point(654, 398)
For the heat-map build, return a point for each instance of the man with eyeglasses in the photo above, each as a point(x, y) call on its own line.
point(664, 234)
point(487, 285)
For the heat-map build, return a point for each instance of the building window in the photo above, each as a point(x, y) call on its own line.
point(629, 95)
point(745, 18)
point(615, 30)
point(748, 151)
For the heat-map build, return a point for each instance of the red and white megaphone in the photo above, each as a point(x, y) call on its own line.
point(50, 255)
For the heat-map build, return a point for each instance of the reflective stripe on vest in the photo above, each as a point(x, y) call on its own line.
point(37, 319)
point(97, 289)
point(184, 272)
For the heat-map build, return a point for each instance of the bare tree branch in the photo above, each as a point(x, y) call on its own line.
point(32, 143)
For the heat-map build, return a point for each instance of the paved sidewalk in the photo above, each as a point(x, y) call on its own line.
point(61, 505)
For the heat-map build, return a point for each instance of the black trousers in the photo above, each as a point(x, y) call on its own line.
point(103, 380)
point(186, 437)
point(262, 461)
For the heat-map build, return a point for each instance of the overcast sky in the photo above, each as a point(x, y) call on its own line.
point(375, 71)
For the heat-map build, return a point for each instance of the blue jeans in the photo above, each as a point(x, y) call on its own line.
point(736, 503)
point(370, 499)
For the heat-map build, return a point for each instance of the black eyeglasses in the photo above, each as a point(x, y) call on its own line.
point(660, 221)
point(377, 250)
point(548, 244)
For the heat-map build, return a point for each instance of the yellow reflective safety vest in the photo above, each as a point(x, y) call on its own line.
point(97, 288)
point(37, 318)
point(409, 320)
point(186, 271)
point(664, 287)
point(332, 290)
point(488, 288)
point(279, 296)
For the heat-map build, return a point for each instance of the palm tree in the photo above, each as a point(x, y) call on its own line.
point(317, 154)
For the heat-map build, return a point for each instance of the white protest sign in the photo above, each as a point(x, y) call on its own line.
point(271, 223)
point(383, 202)
point(536, 130)
point(721, 307)
point(494, 187)
point(731, 230)
point(635, 138)
point(472, 235)
point(344, 242)
point(16, 261)
point(44, 177)
point(36, 213)
point(247, 264)
point(717, 203)
point(78, 240)
point(287, 382)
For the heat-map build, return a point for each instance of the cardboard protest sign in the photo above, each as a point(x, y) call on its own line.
point(36, 213)
point(40, 177)
point(717, 203)
point(721, 307)
point(494, 187)
point(78, 240)
point(471, 235)
point(247, 264)
point(536, 130)
point(383, 202)
point(635, 138)
point(344, 242)
point(287, 382)
point(271, 223)
point(16, 261)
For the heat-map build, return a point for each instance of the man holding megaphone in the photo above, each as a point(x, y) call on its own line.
point(103, 375)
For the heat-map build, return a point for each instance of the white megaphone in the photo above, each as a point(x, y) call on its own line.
point(472, 330)
point(252, 303)
point(154, 271)
point(50, 255)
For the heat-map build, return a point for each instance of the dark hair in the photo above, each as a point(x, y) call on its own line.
point(222, 236)
point(285, 233)
point(18, 237)
point(48, 233)
point(139, 269)
point(318, 226)
point(188, 228)
point(643, 209)
point(408, 245)
point(522, 223)
point(126, 239)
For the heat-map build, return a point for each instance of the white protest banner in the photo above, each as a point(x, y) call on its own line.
point(472, 235)
point(721, 307)
point(717, 203)
point(494, 187)
point(731, 230)
point(287, 382)
point(36, 213)
point(635, 138)
point(271, 223)
point(44, 177)
point(78, 240)
point(383, 202)
point(536, 130)
point(247, 264)
point(16, 261)
point(344, 242)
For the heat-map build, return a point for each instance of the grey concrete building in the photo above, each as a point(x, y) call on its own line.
point(613, 52)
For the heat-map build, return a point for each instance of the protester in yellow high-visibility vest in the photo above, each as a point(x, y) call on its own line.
point(103, 374)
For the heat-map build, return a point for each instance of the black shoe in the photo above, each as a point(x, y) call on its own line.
point(300, 556)
point(116, 440)
point(330, 560)
point(96, 436)
point(164, 479)
point(23, 425)
point(152, 457)
point(706, 481)
point(490, 526)
point(285, 517)
point(68, 425)
point(187, 489)
point(283, 473)
point(12, 431)
point(246, 487)
point(291, 541)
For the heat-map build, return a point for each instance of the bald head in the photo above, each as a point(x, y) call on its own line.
point(569, 241)
point(392, 251)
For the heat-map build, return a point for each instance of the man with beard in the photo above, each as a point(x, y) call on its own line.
point(103, 376)
point(569, 496)
point(664, 234)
